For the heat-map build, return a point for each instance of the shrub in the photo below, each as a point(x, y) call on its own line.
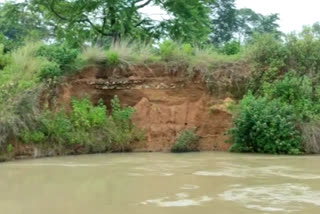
point(20, 88)
point(33, 137)
point(87, 125)
point(9, 148)
point(304, 53)
point(112, 58)
point(168, 49)
point(231, 48)
point(123, 131)
point(50, 71)
point(269, 58)
point(85, 116)
point(187, 141)
point(4, 58)
point(61, 54)
point(297, 92)
point(265, 126)
point(187, 49)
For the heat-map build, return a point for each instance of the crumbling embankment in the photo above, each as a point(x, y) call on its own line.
point(166, 103)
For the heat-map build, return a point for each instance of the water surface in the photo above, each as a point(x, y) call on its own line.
point(162, 183)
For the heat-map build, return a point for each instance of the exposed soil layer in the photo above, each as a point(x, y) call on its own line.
point(166, 103)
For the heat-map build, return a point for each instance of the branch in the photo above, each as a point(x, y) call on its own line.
point(144, 4)
point(84, 19)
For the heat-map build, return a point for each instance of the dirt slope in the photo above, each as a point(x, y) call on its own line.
point(165, 102)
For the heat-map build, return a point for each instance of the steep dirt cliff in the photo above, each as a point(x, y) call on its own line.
point(166, 103)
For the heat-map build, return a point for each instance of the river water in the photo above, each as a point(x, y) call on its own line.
point(154, 183)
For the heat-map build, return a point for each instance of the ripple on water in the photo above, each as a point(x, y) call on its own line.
point(243, 171)
point(189, 187)
point(180, 200)
point(273, 198)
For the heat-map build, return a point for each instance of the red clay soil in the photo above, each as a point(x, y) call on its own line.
point(166, 103)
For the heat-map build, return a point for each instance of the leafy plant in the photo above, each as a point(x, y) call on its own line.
point(123, 131)
point(297, 92)
point(9, 148)
point(265, 126)
point(187, 141)
point(4, 58)
point(187, 49)
point(168, 49)
point(112, 58)
point(50, 71)
point(231, 48)
point(61, 54)
point(85, 116)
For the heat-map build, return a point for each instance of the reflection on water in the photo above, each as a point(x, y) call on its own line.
point(162, 183)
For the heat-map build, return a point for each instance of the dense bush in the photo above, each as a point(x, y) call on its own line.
point(4, 58)
point(231, 48)
point(86, 125)
point(123, 130)
point(19, 86)
point(187, 141)
point(61, 54)
point(50, 71)
point(168, 49)
point(297, 92)
point(265, 126)
point(268, 57)
point(304, 53)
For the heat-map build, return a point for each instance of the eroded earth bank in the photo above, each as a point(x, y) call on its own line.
point(165, 100)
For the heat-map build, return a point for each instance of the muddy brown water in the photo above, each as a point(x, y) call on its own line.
point(157, 183)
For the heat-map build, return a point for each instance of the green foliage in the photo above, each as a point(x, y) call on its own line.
point(187, 141)
point(224, 21)
point(85, 116)
point(112, 58)
point(168, 49)
point(297, 92)
point(19, 23)
point(4, 58)
point(268, 56)
point(50, 71)
point(176, 52)
point(265, 126)
point(231, 48)
point(19, 86)
point(9, 148)
point(304, 53)
point(86, 125)
point(123, 131)
point(250, 23)
point(33, 137)
point(187, 49)
point(60, 54)
point(125, 19)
